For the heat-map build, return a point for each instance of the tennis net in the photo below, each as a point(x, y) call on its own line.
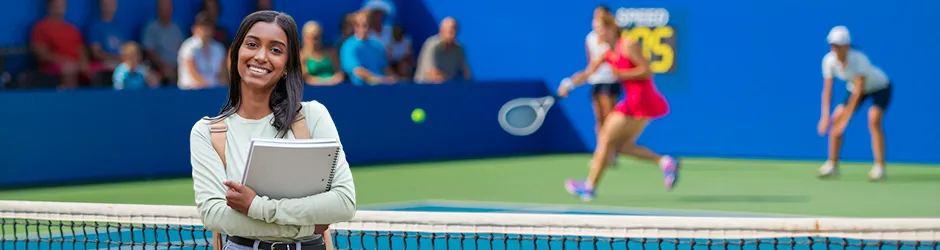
point(56, 225)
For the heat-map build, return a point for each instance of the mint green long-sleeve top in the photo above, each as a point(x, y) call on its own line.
point(268, 219)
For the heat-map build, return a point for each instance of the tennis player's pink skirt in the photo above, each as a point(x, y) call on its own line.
point(643, 100)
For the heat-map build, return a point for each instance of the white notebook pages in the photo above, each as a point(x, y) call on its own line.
point(288, 168)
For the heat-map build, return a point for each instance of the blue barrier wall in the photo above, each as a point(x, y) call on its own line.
point(94, 135)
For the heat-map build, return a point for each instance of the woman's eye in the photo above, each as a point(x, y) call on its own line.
point(251, 44)
point(276, 50)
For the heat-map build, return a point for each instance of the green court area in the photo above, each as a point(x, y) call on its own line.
point(707, 185)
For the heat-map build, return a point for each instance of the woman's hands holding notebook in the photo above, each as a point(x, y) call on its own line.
point(239, 196)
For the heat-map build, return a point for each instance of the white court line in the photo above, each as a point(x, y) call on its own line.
point(596, 208)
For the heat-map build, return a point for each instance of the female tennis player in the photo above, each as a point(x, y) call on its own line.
point(605, 90)
point(264, 101)
point(624, 125)
point(864, 81)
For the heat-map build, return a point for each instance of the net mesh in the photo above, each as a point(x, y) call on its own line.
point(54, 225)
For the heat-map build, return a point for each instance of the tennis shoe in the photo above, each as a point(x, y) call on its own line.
point(828, 170)
point(670, 167)
point(578, 188)
point(877, 173)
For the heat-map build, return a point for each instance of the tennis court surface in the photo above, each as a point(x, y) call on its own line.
point(519, 203)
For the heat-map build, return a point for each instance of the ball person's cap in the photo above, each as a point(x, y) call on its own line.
point(839, 35)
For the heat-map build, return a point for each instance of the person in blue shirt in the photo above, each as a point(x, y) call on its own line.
point(363, 58)
point(105, 36)
point(132, 74)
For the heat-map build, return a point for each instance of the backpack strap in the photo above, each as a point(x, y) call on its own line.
point(217, 130)
point(299, 128)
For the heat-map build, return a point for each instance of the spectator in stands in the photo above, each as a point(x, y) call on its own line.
point(264, 5)
point(201, 58)
point(399, 52)
point(60, 48)
point(442, 57)
point(132, 73)
point(105, 37)
point(161, 40)
point(346, 28)
point(318, 62)
point(213, 9)
point(364, 58)
point(378, 29)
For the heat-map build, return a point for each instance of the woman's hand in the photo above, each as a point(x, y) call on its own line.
point(823, 126)
point(335, 79)
point(565, 87)
point(239, 196)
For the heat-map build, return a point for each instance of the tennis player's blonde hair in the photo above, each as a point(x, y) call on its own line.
point(608, 21)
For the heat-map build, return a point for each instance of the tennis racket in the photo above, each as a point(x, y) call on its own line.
point(524, 116)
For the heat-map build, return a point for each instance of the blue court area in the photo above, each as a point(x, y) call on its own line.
point(194, 238)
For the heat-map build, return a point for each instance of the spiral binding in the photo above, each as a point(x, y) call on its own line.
point(329, 182)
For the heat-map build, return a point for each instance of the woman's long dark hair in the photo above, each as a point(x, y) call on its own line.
point(288, 92)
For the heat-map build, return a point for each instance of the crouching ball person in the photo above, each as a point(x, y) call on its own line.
point(264, 101)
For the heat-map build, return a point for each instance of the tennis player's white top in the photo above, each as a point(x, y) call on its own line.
point(857, 64)
point(604, 73)
point(268, 219)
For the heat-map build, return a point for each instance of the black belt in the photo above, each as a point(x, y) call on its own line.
point(315, 244)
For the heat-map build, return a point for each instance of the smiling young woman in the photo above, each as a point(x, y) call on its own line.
point(264, 101)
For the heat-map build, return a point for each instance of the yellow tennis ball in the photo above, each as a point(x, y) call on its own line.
point(417, 115)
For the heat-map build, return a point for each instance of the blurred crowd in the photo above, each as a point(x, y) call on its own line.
point(371, 50)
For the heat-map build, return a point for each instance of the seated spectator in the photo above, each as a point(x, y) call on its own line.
point(318, 63)
point(105, 38)
point(161, 40)
point(212, 9)
point(263, 5)
point(442, 57)
point(378, 29)
point(346, 29)
point(363, 58)
point(60, 48)
point(399, 53)
point(201, 58)
point(132, 73)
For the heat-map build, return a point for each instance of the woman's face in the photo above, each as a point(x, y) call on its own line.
point(312, 37)
point(604, 33)
point(840, 50)
point(262, 57)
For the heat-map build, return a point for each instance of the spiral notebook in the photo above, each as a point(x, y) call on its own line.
point(282, 168)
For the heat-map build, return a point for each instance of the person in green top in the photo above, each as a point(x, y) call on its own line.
point(318, 63)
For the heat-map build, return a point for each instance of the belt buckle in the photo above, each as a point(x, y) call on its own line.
point(275, 244)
